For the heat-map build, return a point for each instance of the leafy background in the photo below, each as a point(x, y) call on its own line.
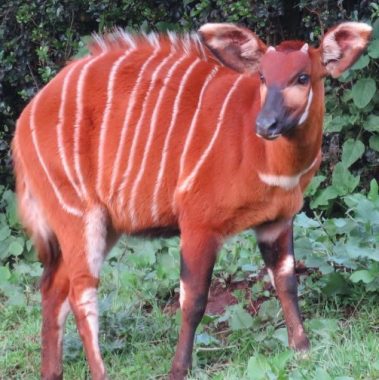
point(336, 237)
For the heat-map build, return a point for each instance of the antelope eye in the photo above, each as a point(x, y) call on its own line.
point(303, 79)
point(262, 78)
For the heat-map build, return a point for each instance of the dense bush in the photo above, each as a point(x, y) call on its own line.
point(37, 38)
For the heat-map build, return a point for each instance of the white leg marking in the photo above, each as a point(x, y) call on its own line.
point(79, 119)
point(162, 167)
point(96, 235)
point(88, 306)
point(306, 112)
point(189, 180)
point(182, 294)
point(33, 128)
point(104, 124)
point(271, 275)
point(153, 124)
point(61, 320)
point(287, 266)
point(60, 126)
point(284, 181)
point(125, 126)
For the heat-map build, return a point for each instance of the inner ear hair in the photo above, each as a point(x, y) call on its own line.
point(343, 45)
point(236, 47)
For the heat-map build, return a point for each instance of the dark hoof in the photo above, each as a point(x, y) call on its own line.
point(177, 374)
point(300, 344)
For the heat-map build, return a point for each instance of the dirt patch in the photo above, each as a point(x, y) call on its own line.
point(221, 296)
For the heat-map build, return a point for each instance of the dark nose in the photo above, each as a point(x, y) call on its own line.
point(267, 126)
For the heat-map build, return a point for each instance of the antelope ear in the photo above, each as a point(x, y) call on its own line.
point(236, 47)
point(343, 45)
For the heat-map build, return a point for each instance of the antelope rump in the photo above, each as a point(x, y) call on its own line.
point(203, 135)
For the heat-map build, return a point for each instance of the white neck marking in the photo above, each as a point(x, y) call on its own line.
point(286, 182)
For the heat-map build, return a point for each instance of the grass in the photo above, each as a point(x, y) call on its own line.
point(138, 337)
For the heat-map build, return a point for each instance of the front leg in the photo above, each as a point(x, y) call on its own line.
point(198, 255)
point(275, 242)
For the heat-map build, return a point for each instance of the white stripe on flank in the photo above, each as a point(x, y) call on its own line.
point(153, 121)
point(162, 166)
point(79, 119)
point(60, 125)
point(68, 208)
point(284, 181)
point(305, 113)
point(125, 126)
point(194, 120)
point(131, 159)
point(105, 121)
point(189, 180)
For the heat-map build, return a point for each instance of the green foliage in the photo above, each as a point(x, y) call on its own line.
point(339, 245)
point(352, 133)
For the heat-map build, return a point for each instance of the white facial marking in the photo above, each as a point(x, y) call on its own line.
point(271, 275)
point(189, 180)
point(304, 115)
point(283, 181)
point(165, 150)
point(287, 266)
point(95, 234)
point(182, 295)
point(270, 49)
point(88, 306)
point(33, 129)
point(61, 320)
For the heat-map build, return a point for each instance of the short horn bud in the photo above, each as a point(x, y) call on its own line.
point(270, 49)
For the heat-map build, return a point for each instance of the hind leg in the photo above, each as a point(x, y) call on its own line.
point(84, 254)
point(55, 308)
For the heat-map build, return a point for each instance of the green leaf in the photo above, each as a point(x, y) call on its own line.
point(362, 62)
point(16, 248)
point(5, 275)
point(335, 284)
point(336, 124)
point(372, 124)
point(343, 181)
point(239, 318)
point(4, 233)
point(362, 275)
point(269, 310)
point(314, 185)
point(352, 151)
point(374, 142)
point(322, 374)
point(258, 367)
point(363, 91)
point(375, 27)
point(373, 194)
point(373, 49)
point(324, 196)
point(281, 335)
